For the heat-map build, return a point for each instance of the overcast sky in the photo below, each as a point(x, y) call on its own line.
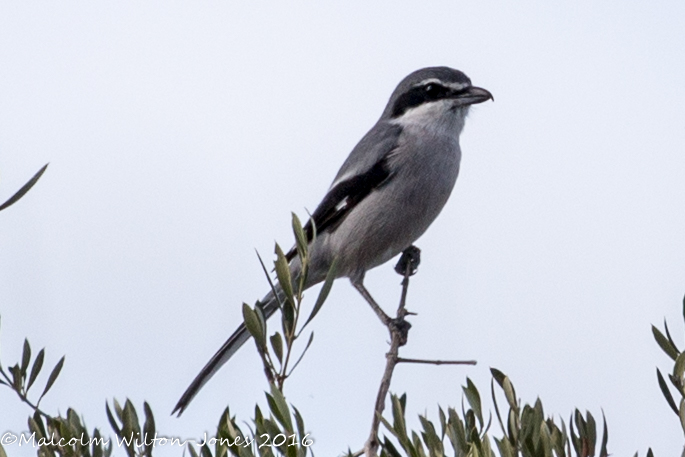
point(181, 135)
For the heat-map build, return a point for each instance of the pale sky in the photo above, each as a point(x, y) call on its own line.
point(181, 135)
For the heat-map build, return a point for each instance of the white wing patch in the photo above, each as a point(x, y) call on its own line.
point(342, 205)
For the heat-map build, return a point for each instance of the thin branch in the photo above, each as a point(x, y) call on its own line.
point(398, 329)
point(437, 362)
point(35, 407)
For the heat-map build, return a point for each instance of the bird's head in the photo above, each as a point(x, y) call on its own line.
point(434, 95)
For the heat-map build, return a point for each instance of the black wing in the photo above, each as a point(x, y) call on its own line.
point(342, 198)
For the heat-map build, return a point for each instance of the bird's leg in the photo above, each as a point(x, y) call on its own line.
point(359, 285)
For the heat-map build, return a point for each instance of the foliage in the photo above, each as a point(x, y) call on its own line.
point(527, 432)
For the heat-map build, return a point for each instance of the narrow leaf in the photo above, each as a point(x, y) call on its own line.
point(283, 274)
point(35, 369)
point(668, 335)
point(605, 438)
point(664, 344)
point(25, 358)
point(253, 326)
point(498, 376)
point(300, 237)
point(25, 188)
point(112, 421)
point(277, 346)
point(309, 343)
point(510, 393)
point(149, 427)
point(53, 376)
point(473, 398)
point(667, 393)
point(325, 290)
point(679, 366)
point(282, 409)
point(268, 278)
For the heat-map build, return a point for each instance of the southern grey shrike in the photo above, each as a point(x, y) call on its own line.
point(392, 186)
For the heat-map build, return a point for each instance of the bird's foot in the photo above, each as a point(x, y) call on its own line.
point(409, 262)
point(402, 327)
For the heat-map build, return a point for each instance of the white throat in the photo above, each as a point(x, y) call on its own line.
point(441, 115)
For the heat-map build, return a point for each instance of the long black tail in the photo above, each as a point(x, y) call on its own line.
point(230, 347)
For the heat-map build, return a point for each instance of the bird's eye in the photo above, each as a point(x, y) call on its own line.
point(430, 87)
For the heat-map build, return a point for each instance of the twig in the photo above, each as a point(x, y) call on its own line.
point(398, 329)
point(436, 362)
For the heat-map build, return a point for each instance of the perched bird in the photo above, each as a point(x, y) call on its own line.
point(390, 189)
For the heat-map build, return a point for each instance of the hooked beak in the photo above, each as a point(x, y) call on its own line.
point(473, 95)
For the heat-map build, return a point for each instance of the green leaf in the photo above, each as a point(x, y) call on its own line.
point(681, 413)
point(2, 451)
point(505, 448)
point(300, 237)
point(591, 432)
point(668, 335)
point(112, 421)
point(498, 376)
point(664, 344)
point(667, 393)
point(443, 422)
point(510, 393)
point(25, 358)
point(299, 421)
point(283, 274)
point(390, 448)
point(513, 426)
point(473, 398)
point(494, 401)
point(456, 432)
point(309, 343)
point(430, 437)
point(605, 438)
point(288, 322)
point(277, 345)
point(268, 278)
point(281, 411)
point(679, 366)
point(325, 290)
point(546, 440)
point(131, 417)
point(16, 377)
point(149, 428)
point(253, 325)
point(35, 369)
point(25, 188)
point(53, 376)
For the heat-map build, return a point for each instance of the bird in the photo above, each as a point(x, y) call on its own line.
point(386, 194)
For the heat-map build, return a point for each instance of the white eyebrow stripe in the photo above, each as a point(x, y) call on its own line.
point(455, 86)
